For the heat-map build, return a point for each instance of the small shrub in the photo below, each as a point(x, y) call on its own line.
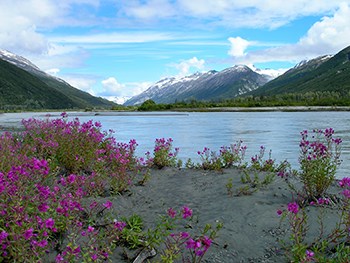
point(227, 157)
point(319, 159)
point(163, 154)
point(258, 163)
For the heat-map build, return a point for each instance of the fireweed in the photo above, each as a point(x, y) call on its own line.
point(185, 245)
point(163, 154)
point(74, 147)
point(228, 156)
point(47, 173)
point(331, 246)
point(260, 164)
point(319, 159)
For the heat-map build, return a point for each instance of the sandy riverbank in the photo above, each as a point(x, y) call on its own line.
point(252, 230)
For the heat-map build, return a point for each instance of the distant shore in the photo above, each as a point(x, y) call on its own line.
point(267, 109)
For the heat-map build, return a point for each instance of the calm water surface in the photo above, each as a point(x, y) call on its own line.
point(278, 131)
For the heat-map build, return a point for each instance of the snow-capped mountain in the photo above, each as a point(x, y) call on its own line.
point(25, 64)
point(17, 60)
point(328, 73)
point(211, 85)
point(25, 86)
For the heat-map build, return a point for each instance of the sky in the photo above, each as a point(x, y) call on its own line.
point(117, 48)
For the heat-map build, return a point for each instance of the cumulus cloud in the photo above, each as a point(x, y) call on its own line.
point(331, 33)
point(111, 87)
point(82, 82)
point(186, 66)
point(327, 36)
point(120, 92)
point(238, 46)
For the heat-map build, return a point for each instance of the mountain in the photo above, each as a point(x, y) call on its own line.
point(24, 86)
point(325, 73)
point(212, 85)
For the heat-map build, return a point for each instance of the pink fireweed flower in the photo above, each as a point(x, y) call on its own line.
point(43, 207)
point(28, 233)
point(309, 255)
point(345, 182)
point(91, 229)
point(184, 235)
point(42, 243)
point(119, 225)
point(206, 241)
point(3, 235)
point(108, 204)
point(49, 223)
point(323, 201)
point(59, 258)
point(279, 212)
point(186, 212)
point(71, 178)
point(346, 193)
point(191, 244)
point(171, 212)
point(293, 208)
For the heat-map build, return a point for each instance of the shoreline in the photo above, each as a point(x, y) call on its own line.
point(268, 109)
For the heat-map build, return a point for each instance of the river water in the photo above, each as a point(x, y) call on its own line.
point(191, 132)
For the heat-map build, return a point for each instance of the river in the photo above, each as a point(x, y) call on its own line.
point(191, 132)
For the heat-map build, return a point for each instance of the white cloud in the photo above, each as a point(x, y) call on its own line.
point(111, 87)
point(149, 10)
point(115, 37)
point(82, 82)
point(53, 71)
point(129, 90)
point(186, 66)
point(238, 46)
point(327, 36)
point(113, 90)
point(229, 13)
point(331, 33)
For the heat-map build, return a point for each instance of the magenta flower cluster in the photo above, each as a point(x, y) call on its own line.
point(319, 159)
point(163, 154)
point(197, 246)
point(345, 184)
point(45, 173)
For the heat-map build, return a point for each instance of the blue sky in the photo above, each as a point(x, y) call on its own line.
point(116, 49)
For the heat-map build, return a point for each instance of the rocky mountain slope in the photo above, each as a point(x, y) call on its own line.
point(325, 73)
point(211, 85)
point(24, 86)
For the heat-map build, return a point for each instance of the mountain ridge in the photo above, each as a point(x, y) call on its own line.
point(210, 85)
point(324, 73)
point(20, 79)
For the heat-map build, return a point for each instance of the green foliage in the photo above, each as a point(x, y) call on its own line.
point(150, 105)
point(163, 154)
point(21, 90)
point(228, 156)
point(330, 75)
point(319, 158)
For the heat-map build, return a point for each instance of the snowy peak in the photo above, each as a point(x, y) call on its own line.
point(17, 60)
point(211, 85)
point(312, 62)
